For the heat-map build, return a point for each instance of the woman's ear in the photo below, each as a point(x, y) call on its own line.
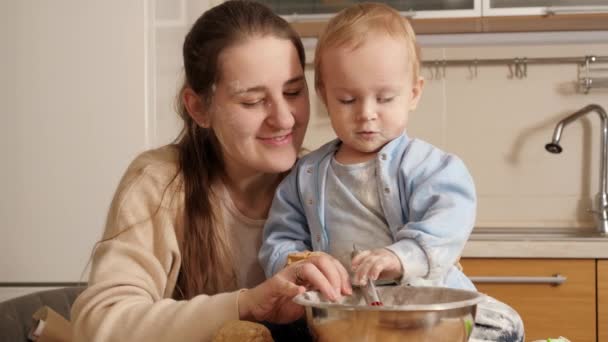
point(416, 92)
point(196, 108)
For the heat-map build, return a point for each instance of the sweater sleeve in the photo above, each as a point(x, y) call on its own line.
point(442, 203)
point(134, 271)
point(286, 230)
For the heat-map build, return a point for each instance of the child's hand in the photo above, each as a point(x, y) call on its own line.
point(374, 264)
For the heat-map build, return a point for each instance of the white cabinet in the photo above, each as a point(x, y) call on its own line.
point(463, 16)
point(446, 9)
point(542, 7)
point(295, 10)
point(423, 9)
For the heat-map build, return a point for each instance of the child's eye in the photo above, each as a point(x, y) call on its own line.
point(385, 99)
point(347, 100)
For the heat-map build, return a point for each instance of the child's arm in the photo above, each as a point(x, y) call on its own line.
point(286, 229)
point(441, 205)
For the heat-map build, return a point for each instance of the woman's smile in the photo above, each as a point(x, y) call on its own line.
point(278, 140)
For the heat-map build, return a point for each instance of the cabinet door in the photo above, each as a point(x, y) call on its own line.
point(602, 300)
point(542, 7)
point(314, 9)
point(547, 310)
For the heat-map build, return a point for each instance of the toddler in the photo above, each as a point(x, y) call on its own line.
point(408, 205)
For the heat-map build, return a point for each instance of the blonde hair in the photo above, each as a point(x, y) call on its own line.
point(352, 26)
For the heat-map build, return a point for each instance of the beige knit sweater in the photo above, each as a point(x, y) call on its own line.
point(133, 274)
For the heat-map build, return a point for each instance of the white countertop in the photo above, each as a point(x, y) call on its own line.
point(593, 249)
point(536, 243)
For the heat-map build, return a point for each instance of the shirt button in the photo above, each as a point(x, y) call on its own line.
point(383, 156)
point(309, 170)
point(387, 190)
point(318, 238)
point(310, 202)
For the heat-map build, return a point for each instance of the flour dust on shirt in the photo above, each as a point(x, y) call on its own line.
point(354, 214)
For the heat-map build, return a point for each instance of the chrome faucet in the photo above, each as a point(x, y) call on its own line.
point(600, 206)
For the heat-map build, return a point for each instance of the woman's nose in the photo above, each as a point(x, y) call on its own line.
point(280, 115)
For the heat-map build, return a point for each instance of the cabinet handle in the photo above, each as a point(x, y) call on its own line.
point(557, 279)
point(408, 14)
point(554, 10)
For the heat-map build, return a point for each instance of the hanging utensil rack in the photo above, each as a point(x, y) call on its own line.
point(591, 75)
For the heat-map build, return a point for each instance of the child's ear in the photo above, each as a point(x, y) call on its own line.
point(196, 108)
point(416, 92)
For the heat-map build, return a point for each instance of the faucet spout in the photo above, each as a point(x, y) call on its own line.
point(600, 208)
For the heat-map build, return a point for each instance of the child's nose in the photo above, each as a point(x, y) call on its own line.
point(367, 111)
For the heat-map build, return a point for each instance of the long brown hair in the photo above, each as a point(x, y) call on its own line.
point(207, 263)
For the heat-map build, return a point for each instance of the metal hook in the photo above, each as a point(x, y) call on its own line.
point(510, 76)
point(518, 70)
point(437, 72)
point(473, 70)
point(586, 81)
point(432, 71)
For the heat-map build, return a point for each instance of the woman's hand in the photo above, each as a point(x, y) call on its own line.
point(374, 264)
point(272, 300)
point(322, 272)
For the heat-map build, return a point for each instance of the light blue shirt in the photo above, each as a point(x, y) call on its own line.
point(428, 200)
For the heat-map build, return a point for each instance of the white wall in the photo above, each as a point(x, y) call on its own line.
point(73, 115)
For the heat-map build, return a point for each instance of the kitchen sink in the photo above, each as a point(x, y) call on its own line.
point(537, 234)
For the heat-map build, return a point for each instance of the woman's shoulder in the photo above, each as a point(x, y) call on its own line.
point(151, 174)
point(151, 182)
point(160, 165)
point(160, 160)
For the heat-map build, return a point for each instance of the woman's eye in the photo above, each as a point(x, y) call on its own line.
point(292, 93)
point(347, 101)
point(252, 103)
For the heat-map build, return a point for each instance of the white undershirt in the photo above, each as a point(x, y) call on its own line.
point(353, 212)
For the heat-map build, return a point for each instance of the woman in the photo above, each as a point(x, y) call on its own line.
point(184, 228)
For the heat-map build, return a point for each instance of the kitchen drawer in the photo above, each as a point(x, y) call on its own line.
point(602, 300)
point(548, 310)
